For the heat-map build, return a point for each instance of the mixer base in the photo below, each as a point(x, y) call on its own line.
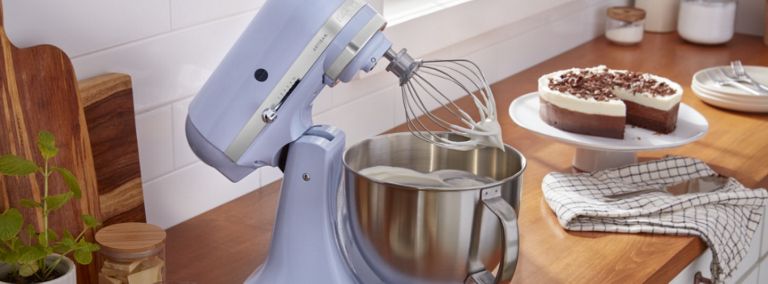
point(304, 247)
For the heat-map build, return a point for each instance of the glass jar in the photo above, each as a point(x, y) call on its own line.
point(707, 21)
point(132, 253)
point(624, 25)
point(660, 15)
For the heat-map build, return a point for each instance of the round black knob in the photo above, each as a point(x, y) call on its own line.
point(261, 75)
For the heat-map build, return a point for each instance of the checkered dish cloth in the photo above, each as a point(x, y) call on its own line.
point(631, 199)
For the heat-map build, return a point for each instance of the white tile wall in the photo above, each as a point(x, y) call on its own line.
point(82, 26)
point(186, 13)
point(154, 130)
point(170, 47)
point(190, 191)
point(364, 117)
point(168, 67)
point(182, 154)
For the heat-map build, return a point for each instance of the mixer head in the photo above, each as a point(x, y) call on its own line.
point(259, 99)
point(436, 83)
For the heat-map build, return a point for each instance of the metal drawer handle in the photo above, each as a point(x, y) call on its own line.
point(700, 279)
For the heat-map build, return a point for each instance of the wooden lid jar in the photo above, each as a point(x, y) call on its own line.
point(134, 253)
point(624, 25)
point(626, 14)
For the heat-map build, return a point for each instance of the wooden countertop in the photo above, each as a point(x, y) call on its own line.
point(226, 244)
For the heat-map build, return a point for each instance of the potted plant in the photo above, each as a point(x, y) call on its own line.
point(40, 256)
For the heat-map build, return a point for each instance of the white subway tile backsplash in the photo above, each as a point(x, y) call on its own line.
point(182, 154)
point(189, 12)
point(191, 191)
point(363, 118)
point(269, 175)
point(168, 67)
point(347, 92)
point(323, 102)
point(155, 137)
point(463, 22)
point(529, 48)
point(82, 26)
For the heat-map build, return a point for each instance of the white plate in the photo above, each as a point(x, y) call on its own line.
point(758, 100)
point(691, 126)
point(728, 104)
point(701, 79)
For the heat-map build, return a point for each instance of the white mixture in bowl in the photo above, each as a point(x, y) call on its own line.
point(436, 179)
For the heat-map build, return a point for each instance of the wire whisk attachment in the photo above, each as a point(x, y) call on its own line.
point(430, 84)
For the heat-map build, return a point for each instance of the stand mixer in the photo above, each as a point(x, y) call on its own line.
point(255, 111)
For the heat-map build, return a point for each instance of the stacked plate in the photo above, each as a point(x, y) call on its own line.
point(705, 85)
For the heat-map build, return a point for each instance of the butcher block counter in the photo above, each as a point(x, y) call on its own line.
point(226, 244)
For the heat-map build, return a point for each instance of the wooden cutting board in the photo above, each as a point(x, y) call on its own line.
point(109, 114)
point(39, 91)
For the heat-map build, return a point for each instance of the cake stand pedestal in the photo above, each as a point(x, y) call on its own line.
point(597, 153)
point(587, 160)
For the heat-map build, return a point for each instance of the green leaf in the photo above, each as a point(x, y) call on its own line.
point(67, 239)
point(31, 232)
point(52, 237)
point(10, 257)
point(32, 253)
point(70, 180)
point(10, 224)
point(89, 246)
point(11, 165)
point(27, 269)
point(90, 221)
point(83, 256)
point(47, 144)
point(56, 201)
point(66, 244)
point(29, 203)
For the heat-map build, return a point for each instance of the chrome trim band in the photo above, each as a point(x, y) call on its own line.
point(298, 70)
point(346, 56)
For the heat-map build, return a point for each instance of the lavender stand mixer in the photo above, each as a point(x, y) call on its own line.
point(256, 110)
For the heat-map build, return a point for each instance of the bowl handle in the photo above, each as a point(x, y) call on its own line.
point(491, 197)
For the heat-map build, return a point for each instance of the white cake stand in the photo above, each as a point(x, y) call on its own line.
point(596, 153)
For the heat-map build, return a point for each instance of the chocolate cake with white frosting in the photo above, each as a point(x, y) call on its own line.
point(600, 101)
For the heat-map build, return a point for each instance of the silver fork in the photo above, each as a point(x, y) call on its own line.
point(721, 78)
point(742, 75)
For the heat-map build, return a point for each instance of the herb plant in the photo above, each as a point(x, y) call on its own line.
point(27, 256)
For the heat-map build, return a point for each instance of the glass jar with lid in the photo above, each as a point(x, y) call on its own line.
point(707, 21)
point(624, 25)
point(133, 253)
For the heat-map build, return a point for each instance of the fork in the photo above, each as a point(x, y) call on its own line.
point(742, 75)
point(721, 78)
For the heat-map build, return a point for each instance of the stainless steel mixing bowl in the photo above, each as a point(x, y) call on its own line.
point(424, 235)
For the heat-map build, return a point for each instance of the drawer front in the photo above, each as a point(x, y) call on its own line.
point(749, 263)
point(764, 247)
point(700, 264)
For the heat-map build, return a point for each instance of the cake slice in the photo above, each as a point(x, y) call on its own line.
point(599, 101)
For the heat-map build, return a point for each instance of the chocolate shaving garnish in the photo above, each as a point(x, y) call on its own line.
point(599, 84)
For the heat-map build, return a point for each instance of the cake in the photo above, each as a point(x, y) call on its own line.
point(600, 101)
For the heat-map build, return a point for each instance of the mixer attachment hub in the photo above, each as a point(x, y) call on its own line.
point(402, 64)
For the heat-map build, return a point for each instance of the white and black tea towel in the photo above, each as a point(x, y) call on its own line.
point(632, 199)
